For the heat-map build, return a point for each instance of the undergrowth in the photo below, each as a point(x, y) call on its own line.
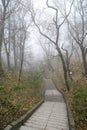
point(16, 100)
point(77, 98)
point(79, 104)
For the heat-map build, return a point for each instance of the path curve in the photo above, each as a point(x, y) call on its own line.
point(52, 114)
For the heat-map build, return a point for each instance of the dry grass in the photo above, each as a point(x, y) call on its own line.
point(15, 100)
point(77, 96)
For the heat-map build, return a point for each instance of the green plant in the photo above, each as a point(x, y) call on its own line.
point(2, 87)
point(79, 101)
point(18, 87)
point(70, 83)
point(35, 77)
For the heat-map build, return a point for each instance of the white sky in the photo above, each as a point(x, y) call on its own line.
point(39, 4)
point(36, 48)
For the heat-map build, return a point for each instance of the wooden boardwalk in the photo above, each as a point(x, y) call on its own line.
point(52, 114)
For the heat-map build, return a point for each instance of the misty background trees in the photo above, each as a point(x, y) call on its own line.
point(59, 28)
point(14, 32)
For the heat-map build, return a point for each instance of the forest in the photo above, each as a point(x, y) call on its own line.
point(42, 38)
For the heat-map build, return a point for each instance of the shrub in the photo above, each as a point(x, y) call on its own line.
point(79, 101)
point(1, 87)
point(19, 87)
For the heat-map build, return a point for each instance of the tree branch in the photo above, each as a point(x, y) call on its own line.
point(41, 31)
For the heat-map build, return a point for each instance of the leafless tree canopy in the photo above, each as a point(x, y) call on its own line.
point(18, 16)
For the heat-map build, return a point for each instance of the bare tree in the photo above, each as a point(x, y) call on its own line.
point(46, 46)
point(7, 7)
point(56, 41)
point(5, 4)
point(22, 47)
point(78, 30)
point(23, 36)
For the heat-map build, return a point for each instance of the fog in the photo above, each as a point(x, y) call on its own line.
point(45, 15)
point(35, 30)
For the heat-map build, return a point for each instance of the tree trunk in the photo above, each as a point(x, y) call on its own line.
point(9, 51)
point(1, 40)
point(84, 63)
point(14, 50)
point(68, 70)
point(84, 60)
point(7, 55)
point(21, 57)
point(65, 74)
point(64, 68)
point(1, 68)
point(8, 61)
